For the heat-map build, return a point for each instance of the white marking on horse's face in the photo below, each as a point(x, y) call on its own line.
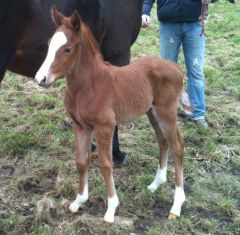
point(57, 41)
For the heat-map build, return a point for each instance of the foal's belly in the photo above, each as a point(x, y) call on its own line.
point(132, 108)
point(130, 117)
point(133, 97)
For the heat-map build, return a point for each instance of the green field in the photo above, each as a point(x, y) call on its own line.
point(38, 177)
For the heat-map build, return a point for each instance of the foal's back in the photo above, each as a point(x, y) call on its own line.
point(138, 86)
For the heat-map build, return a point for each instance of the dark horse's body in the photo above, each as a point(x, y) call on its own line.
point(26, 26)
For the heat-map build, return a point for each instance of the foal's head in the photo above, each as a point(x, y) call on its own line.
point(63, 48)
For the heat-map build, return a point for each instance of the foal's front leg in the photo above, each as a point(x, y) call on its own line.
point(83, 138)
point(104, 135)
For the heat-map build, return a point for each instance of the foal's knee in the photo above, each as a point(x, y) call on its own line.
point(178, 146)
point(82, 163)
point(105, 166)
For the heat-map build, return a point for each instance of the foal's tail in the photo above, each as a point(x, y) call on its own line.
point(185, 103)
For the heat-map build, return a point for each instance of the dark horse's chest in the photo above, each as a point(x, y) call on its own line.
point(26, 26)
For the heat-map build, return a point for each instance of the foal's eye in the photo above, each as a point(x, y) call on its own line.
point(67, 50)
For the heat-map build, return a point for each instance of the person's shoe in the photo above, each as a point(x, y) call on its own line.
point(201, 122)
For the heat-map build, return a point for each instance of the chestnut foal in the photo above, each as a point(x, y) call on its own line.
point(100, 95)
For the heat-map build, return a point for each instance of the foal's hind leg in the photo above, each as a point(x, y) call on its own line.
point(167, 122)
point(161, 175)
point(104, 135)
point(83, 138)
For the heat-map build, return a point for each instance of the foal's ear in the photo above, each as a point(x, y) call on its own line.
point(76, 20)
point(56, 16)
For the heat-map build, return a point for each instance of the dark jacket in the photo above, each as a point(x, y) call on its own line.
point(175, 10)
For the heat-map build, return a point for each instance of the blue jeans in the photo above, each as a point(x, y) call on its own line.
point(172, 36)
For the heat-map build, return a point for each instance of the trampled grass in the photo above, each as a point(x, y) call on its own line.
point(37, 163)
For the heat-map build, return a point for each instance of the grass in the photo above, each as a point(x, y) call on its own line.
point(37, 163)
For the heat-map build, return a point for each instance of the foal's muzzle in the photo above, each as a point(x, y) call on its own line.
point(43, 82)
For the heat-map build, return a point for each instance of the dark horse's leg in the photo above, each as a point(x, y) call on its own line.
point(7, 53)
point(119, 158)
point(12, 23)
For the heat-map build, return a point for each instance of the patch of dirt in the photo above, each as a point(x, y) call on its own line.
point(187, 188)
point(204, 213)
point(161, 208)
point(95, 206)
point(235, 170)
point(12, 171)
point(30, 185)
point(3, 208)
point(146, 217)
point(2, 231)
point(141, 225)
point(26, 209)
point(40, 182)
point(85, 230)
point(231, 122)
point(46, 210)
point(27, 225)
point(95, 225)
point(7, 170)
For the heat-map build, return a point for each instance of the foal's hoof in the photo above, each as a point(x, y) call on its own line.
point(172, 216)
point(152, 188)
point(74, 207)
point(109, 219)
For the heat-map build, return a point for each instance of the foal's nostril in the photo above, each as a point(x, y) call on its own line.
point(43, 81)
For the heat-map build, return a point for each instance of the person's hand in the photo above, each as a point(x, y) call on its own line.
point(146, 20)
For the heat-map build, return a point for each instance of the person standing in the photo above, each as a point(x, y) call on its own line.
point(181, 25)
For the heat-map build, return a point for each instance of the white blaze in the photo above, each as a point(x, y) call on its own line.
point(58, 40)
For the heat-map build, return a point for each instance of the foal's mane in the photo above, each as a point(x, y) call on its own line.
point(89, 40)
point(89, 44)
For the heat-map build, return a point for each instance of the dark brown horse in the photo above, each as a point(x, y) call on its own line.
point(26, 26)
point(100, 95)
